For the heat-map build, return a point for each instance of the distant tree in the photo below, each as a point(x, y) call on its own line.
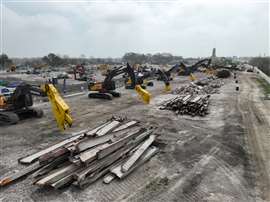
point(162, 58)
point(53, 60)
point(134, 58)
point(5, 61)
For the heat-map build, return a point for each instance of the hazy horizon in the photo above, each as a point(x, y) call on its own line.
point(111, 28)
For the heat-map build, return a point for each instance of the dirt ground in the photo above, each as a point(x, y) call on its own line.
point(224, 156)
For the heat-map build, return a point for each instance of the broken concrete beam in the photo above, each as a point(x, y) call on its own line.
point(117, 170)
point(31, 158)
point(125, 126)
point(106, 129)
point(138, 153)
point(23, 172)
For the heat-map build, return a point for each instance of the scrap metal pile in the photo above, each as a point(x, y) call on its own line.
point(194, 105)
point(200, 87)
point(113, 150)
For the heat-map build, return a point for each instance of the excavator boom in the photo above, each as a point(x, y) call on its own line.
point(106, 89)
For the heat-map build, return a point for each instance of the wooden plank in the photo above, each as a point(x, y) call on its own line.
point(94, 176)
point(99, 164)
point(116, 145)
point(106, 129)
point(122, 153)
point(31, 158)
point(23, 172)
point(91, 154)
point(117, 170)
point(125, 126)
point(57, 175)
point(92, 142)
point(137, 154)
point(108, 178)
point(93, 132)
point(62, 182)
point(52, 165)
point(51, 156)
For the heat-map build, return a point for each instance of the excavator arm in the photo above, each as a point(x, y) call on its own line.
point(108, 85)
point(144, 94)
point(60, 109)
point(165, 79)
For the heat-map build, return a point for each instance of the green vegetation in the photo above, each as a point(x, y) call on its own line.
point(264, 85)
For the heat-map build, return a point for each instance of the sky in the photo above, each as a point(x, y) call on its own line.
point(110, 28)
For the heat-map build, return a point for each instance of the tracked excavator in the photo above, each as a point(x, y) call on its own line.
point(162, 76)
point(169, 72)
point(189, 70)
point(106, 89)
point(19, 105)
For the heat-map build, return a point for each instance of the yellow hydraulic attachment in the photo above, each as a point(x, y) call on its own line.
point(145, 95)
point(168, 87)
point(210, 71)
point(192, 77)
point(60, 109)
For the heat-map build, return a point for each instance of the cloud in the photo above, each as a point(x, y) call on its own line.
point(111, 28)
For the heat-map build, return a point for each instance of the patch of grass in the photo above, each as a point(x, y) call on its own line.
point(264, 85)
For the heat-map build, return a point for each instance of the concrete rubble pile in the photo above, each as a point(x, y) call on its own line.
point(200, 87)
point(194, 105)
point(223, 73)
point(112, 150)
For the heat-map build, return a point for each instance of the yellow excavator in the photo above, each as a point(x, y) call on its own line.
point(106, 89)
point(19, 105)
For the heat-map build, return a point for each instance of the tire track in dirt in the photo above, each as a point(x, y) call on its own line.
point(246, 106)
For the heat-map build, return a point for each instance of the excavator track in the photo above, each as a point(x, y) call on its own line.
point(106, 96)
point(30, 113)
point(9, 118)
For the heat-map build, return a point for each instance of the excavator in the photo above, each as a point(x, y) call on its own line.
point(106, 89)
point(189, 70)
point(141, 79)
point(19, 105)
point(168, 73)
point(79, 73)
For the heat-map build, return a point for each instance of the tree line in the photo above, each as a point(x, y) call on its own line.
point(55, 60)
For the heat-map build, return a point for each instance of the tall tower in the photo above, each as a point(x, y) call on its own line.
point(214, 53)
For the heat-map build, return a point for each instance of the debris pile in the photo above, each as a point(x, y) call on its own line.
point(200, 87)
point(194, 105)
point(113, 149)
point(223, 73)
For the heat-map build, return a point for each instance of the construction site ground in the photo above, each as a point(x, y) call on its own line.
point(224, 156)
